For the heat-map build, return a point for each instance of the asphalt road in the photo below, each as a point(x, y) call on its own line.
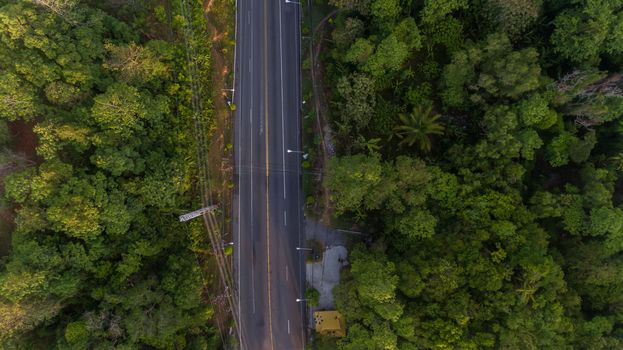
point(268, 202)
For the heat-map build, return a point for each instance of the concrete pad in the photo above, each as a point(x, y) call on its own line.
point(325, 275)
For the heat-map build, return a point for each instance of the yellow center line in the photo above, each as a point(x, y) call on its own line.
point(270, 316)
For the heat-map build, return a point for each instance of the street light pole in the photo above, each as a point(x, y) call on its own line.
point(349, 231)
point(305, 155)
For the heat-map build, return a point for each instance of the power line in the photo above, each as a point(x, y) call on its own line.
point(205, 185)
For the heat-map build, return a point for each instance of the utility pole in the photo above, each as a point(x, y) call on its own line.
point(196, 213)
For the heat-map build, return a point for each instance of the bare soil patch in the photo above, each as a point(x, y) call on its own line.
point(7, 219)
point(220, 31)
point(24, 140)
point(220, 15)
point(25, 150)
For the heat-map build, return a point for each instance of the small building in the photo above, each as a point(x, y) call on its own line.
point(330, 323)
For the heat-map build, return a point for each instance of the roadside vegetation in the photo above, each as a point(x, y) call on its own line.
point(480, 146)
point(98, 259)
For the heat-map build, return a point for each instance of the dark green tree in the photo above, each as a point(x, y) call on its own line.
point(418, 127)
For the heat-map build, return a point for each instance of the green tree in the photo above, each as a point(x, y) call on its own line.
point(350, 179)
point(363, 6)
point(74, 210)
point(61, 93)
point(435, 11)
point(407, 32)
point(346, 34)
point(512, 17)
point(135, 63)
point(5, 135)
point(418, 126)
point(62, 8)
point(92, 228)
point(16, 318)
point(76, 334)
point(359, 52)
point(388, 57)
point(509, 235)
point(119, 110)
point(312, 296)
point(566, 146)
point(417, 224)
point(535, 111)
point(385, 10)
point(490, 70)
point(375, 277)
point(588, 30)
point(17, 185)
point(118, 160)
point(358, 100)
point(17, 98)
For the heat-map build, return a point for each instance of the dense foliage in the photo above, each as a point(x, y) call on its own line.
point(493, 201)
point(97, 259)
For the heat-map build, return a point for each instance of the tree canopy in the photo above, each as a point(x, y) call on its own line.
point(502, 227)
point(98, 259)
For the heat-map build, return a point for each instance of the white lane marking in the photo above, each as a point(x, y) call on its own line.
point(250, 114)
point(285, 219)
point(251, 177)
point(283, 139)
point(251, 206)
point(253, 288)
point(288, 326)
point(286, 273)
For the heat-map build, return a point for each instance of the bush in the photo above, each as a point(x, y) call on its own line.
point(5, 135)
point(76, 333)
point(229, 250)
point(312, 296)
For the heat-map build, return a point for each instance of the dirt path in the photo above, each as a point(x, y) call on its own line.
point(24, 139)
point(217, 13)
point(24, 149)
point(321, 106)
point(218, 32)
point(7, 217)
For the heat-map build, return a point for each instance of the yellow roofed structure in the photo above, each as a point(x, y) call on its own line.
point(330, 323)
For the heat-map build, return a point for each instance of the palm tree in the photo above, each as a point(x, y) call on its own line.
point(617, 161)
point(418, 126)
point(373, 145)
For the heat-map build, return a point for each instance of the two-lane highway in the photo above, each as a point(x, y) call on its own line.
point(269, 271)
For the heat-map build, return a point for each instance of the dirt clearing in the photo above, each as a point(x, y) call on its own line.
point(23, 152)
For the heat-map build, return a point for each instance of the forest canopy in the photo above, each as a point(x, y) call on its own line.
point(480, 146)
point(98, 259)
